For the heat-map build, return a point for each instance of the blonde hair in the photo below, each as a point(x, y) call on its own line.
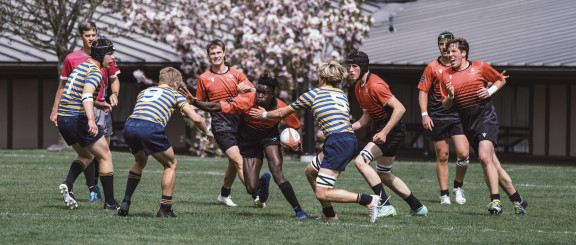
point(333, 73)
point(170, 76)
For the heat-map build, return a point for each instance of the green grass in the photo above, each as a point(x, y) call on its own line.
point(32, 210)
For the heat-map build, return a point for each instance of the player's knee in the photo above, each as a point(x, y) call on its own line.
point(463, 162)
point(324, 182)
point(442, 157)
point(365, 157)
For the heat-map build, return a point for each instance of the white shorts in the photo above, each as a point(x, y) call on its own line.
point(104, 121)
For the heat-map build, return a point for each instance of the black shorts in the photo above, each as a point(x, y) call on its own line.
point(393, 139)
point(482, 132)
point(253, 143)
point(225, 129)
point(74, 129)
point(444, 129)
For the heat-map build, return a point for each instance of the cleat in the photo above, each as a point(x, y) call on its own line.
point(302, 214)
point(445, 199)
point(494, 207)
point(226, 201)
point(263, 185)
point(258, 203)
point(95, 195)
point(520, 206)
point(124, 208)
point(165, 213)
point(69, 199)
point(323, 217)
point(373, 208)
point(386, 211)
point(422, 211)
point(111, 206)
point(460, 199)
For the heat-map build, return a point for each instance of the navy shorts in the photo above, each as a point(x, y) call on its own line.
point(252, 143)
point(145, 135)
point(74, 130)
point(393, 140)
point(339, 149)
point(444, 129)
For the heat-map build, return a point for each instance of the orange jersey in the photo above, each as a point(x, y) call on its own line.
point(214, 87)
point(374, 97)
point(242, 104)
point(430, 83)
point(467, 83)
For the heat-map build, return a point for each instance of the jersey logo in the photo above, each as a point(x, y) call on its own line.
point(484, 135)
point(450, 77)
point(440, 70)
point(212, 79)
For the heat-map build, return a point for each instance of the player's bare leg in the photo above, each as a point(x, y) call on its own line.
point(485, 153)
point(234, 167)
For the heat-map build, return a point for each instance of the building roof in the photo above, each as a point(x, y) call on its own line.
point(520, 33)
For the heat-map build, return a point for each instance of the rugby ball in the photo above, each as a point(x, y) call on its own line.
point(289, 137)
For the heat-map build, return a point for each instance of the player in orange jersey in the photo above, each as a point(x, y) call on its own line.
point(441, 124)
point(466, 88)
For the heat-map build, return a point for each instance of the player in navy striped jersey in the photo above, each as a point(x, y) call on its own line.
point(77, 125)
point(331, 112)
point(144, 134)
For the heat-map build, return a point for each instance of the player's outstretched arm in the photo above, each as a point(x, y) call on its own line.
point(198, 121)
point(202, 105)
point(261, 113)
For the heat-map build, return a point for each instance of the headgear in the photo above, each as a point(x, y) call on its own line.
point(361, 59)
point(101, 48)
point(445, 35)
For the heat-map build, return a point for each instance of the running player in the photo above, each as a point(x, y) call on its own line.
point(331, 111)
point(441, 124)
point(465, 87)
point(77, 125)
point(144, 134)
point(220, 83)
point(257, 138)
point(102, 111)
point(382, 107)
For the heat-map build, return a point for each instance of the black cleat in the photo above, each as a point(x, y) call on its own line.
point(165, 213)
point(123, 211)
point(111, 206)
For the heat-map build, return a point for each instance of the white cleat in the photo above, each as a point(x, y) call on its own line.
point(226, 201)
point(460, 199)
point(445, 199)
point(386, 211)
point(68, 196)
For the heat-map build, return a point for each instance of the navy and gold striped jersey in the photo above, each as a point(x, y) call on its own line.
point(156, 104)
point(85, 74)
point(330, 109)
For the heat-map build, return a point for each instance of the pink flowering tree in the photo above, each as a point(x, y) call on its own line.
point(288, 39)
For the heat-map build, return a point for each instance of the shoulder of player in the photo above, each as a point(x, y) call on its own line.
point(375, 81)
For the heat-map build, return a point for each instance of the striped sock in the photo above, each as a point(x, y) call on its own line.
point(166, 202)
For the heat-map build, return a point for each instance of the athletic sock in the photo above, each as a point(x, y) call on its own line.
point(515, 197)
point(458, 184)
point(107, 180)
point(289, 194)
point(444, 193)
point(414, 203)
point(131, 184)
point(166, 202)
point(363, 199)
point(76, 169)
point(89, 173)
point(379, 191)
point(224, 191)
point(328, 210)
point(494, 197)
point(96, 171)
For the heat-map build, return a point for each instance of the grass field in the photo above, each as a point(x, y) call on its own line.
point(32, 210)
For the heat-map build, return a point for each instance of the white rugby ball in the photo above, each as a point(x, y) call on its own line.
point(290, 137)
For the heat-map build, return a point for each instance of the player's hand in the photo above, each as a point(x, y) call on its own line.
point(427, 122)
point(210, 136)
point(379, 138)
point(54, 118)
point(257, 112)
point(295, 149)
point(244, 88)
point(92, 128)
point(483, 93)
point(103, 105)
point(450, 89)
point(184, 92)
point(114, 100)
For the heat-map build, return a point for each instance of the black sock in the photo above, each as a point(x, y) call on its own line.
point(494, 197)
point(90, 173)
point(328, 210)
point(131, 184)
point(414, 203)
point(224, 191)
point(444, 193)
point(290, 196)
point(166, 202)
point(458, 184)
point(96, 171)
point(379, 191)
point(364, 199)
point(76, 169)
point(515, 197)
point(108, 186)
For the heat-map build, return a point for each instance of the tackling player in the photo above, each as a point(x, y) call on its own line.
point(144, 134)
point(77, 125)
point(220, 83)
point(257, 138)
point(441, 124)
point(465, 87)
point(382, 107)
point(331, 112)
